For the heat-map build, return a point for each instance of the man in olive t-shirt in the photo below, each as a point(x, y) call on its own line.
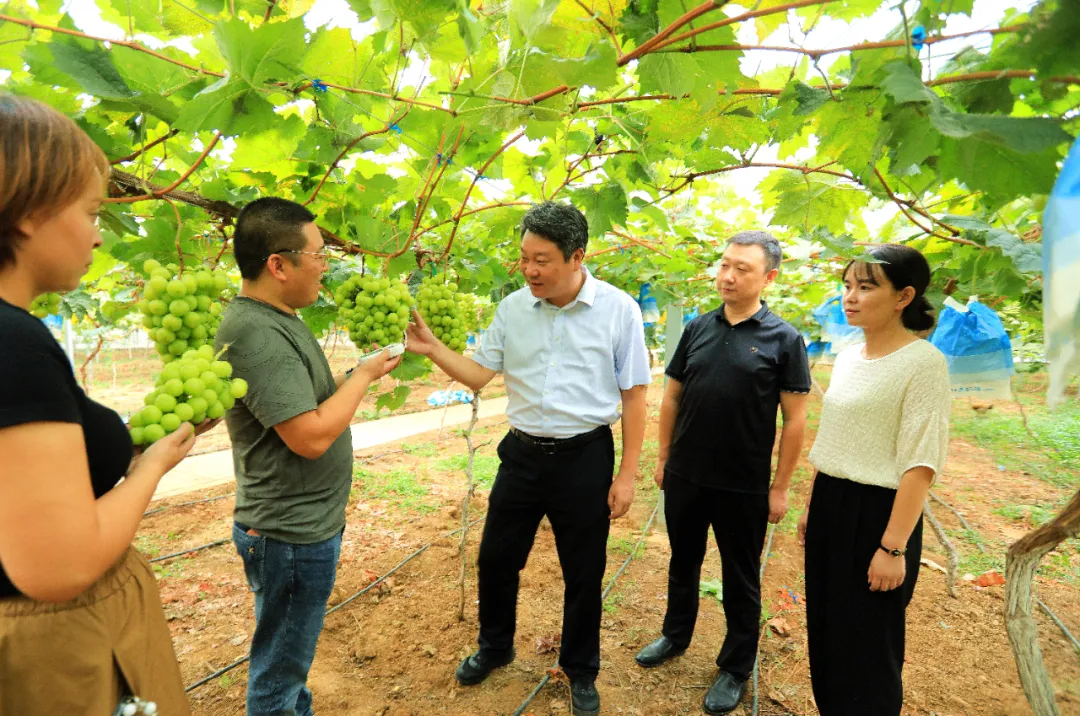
point(292, 448)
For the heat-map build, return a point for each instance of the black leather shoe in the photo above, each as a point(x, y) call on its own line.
point(657, 653)
point(474, 669)
point(724, 695)
point(583, 694)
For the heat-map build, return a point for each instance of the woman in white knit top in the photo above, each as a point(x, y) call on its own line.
point(881, 443)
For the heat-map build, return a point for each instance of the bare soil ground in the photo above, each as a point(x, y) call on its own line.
point(392, 652)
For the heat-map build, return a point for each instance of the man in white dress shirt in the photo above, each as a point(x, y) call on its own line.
point(571, 348)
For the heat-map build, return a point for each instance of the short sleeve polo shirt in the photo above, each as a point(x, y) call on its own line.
point(732, 377)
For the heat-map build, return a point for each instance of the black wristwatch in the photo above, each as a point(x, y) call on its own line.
point(893, 552)
point(348, 373)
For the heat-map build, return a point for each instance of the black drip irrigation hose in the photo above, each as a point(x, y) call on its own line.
point(185, 504)
point(603, 597)
point(761, 576)
point(193, 549)
point(1061, 625)
point(224, 670)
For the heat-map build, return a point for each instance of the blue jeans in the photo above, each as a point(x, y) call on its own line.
point(292, 583)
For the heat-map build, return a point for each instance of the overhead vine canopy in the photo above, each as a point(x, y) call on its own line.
point(632, 110)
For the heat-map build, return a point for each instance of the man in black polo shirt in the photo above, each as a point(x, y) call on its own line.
point(731, 370)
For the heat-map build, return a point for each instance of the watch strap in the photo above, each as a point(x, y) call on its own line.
point(892, 552)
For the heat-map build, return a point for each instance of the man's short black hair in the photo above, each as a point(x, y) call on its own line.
point(561, 224)
point(267, 226)
point(767, 242)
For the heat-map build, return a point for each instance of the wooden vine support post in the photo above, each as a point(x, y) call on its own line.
point(465, 504)
point(1020, 565)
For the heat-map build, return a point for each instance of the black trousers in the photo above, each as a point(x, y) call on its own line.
point(739, 522)
point(570, 487)
point(856, 637)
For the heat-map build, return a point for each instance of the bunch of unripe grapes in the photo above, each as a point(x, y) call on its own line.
point(46, 304)
point(190, 389)
point(181, 311)
point(374, 310)
point(440, 307)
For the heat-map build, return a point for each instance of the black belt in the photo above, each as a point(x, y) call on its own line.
point(550, 446)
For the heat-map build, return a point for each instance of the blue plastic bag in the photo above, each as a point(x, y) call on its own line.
point(690, 315)
point(1061, 277)
point(838, 333)
point(445, 397)
point(978, 349)
point(650, 313)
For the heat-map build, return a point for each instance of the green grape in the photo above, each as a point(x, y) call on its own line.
point(211, 379)
point(216, 411)
point(228, 400)
point(194, 386)
point(184, 411)
point(238, 387)
point(153, 433)
point(135, 421)
point(199, 405)
point(165, 403)
point(221, 369)
point(189, 371)
point(151, 414)
point(137, 436)
point(170, 422)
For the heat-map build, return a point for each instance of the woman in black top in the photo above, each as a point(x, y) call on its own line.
point(81, 622)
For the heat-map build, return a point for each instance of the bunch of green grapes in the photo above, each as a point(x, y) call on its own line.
point(440, 307)
point(46, 304)
point(475, 311)
point(181, 311)
point(374, 310)
point(190, 389)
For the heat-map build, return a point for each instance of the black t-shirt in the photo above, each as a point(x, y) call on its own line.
point(38, 385)
point(732, 377)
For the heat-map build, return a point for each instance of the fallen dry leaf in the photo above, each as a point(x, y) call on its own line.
point(990, 579)
point(548, 644)
point(933, 565)
point(779, 626)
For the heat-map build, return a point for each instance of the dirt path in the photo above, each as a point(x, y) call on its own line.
point(393, 651)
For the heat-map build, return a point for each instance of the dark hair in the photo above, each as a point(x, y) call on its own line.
point(902, 266)
point(561, 224)
point(46, 162)
point(267, 226)
point(767, 242)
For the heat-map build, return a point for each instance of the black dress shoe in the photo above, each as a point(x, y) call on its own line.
point(474, 669)
point(583, 694)
point(657, 653)
point(724, 695)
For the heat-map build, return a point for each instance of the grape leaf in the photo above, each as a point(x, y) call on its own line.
point(271, 52)
point(393, 400)
point(603, 206)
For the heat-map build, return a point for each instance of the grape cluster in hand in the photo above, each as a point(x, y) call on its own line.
point(374, 310)
point(194, 387)
point(440, 307)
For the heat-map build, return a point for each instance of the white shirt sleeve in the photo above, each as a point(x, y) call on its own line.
point(490, 352)
point(631, 355)
point(923, 439)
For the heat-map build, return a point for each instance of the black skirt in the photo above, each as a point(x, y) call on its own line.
point(856, 636)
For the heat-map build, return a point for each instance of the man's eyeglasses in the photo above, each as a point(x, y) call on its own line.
point(322, 255)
